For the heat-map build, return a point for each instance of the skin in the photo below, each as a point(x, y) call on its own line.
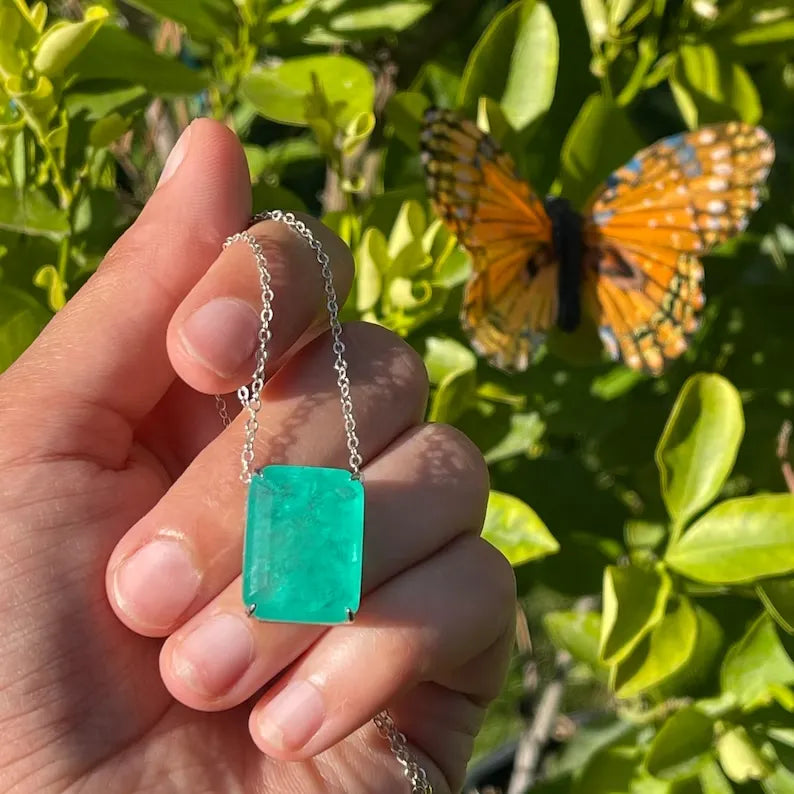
point(127, 667)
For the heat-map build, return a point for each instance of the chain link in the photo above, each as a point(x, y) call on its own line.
point(251, 399)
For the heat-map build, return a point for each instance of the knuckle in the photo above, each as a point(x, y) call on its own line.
point(462, 457)
point(394, 366)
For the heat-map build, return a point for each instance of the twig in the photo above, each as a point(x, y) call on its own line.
point(783, 441)
point(535, 739)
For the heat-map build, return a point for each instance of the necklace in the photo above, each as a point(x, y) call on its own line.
point(303, 551)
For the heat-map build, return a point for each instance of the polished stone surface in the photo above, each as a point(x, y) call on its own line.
point(304, 541)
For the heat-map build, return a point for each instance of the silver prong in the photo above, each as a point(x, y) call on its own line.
point(350, 614)
point(249, 610)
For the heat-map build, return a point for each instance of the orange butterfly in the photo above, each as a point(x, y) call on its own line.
point(630, 261)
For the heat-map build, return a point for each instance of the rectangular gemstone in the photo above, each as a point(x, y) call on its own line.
point(304, 538)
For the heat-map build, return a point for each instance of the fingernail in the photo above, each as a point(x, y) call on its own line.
point(157, 584)
point(214, 656)
point(292, 717)
point(221, 334)
point(175, 157)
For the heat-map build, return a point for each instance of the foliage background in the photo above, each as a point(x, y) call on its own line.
point(666, 620)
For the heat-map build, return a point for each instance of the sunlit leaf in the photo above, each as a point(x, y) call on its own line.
point(280, 92)
point(522, 40)
point(681, 746)
point(699, 444)
point(634, 601)
point(739, 540)
point(516, 530)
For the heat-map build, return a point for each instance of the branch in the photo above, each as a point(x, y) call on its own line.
point(535, 739)
point(783, 441)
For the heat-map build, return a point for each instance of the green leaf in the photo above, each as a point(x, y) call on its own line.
point(265, 196)
point(382, 16)
point(453, 397)
point(681, 746)
point(634, 601)
point(444, 357)
point(608, 772)
point(115, 54)
point(31, 212)
point(64, 41)
point(49, 279)
point(757, 661)
point(521, 40)
point(708, 88)
point(372, 261)
point(409, 227)
point(516, 530)
point(404, 112)
point(600, 140)
point(739, 540)
point(700, 665)
point(740, 758)
point(524, 432)
point(712, 781)
point(777, 596)
point(660, 654)
point(576, 632)
point(698, 446)
point(357, 131)
point(204, 20)
point(281, 92)
point(21, 319)
point(107, 130)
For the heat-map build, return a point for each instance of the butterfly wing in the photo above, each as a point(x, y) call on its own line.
point(650, 223)
point(511, 299)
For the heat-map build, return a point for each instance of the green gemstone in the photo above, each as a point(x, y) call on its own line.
point(304, 539)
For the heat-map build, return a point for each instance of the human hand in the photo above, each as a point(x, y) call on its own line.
point(114, 470)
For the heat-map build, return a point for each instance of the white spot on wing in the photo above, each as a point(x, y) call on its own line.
point(723, 169)
point(717, 185)
point(720, 152)
point(716, 206)
point(706, 137)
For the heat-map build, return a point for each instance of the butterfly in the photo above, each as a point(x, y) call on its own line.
point(630, 261)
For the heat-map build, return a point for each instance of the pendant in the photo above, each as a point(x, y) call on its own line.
point(304, 538)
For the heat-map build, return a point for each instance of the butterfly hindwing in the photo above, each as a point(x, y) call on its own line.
point(649, 224)
point(511, 298)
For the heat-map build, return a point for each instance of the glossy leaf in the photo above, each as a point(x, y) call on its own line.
point(444, 357)
point(381, 16)
point(282, 92)
point(516, 530)
point(757, 661)
point(404, 112)
point(64, 41)
point(699, 444)
point(681, 746)
point(21, 319)
point(522, 40)
point(709, 88)
point(634, 602)
point(372, 261)
point(576, 632)
point(660, 654)
point(739, 540)
point(608, 772)
point(600, 140)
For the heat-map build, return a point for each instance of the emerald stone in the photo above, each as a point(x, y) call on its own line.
point(304, 539)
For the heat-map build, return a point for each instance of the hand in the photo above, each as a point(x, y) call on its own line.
point(119, 492)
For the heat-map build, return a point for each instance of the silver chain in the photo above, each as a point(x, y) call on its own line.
point(251, 399)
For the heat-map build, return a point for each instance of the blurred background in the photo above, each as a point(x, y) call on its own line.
point(649, 521)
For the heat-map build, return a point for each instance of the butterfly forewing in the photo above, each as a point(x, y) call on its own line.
point(474, 187)
point(650, 222)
